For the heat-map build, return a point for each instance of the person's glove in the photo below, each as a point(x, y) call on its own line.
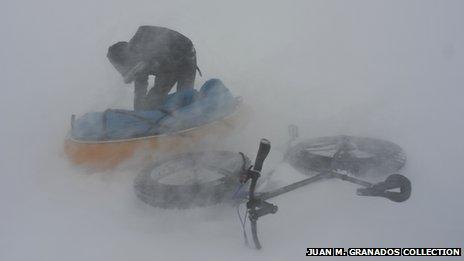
point(130, 75)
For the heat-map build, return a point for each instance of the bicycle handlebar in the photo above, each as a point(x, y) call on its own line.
point(263, 151)
point(257, 207)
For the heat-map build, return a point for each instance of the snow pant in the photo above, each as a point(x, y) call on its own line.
point(164, 81)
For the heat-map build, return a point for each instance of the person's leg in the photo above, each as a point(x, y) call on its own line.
point(157, 95)
point(140, 92)
point(186, 75)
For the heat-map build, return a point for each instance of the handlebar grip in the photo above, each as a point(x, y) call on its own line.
point(263, 151)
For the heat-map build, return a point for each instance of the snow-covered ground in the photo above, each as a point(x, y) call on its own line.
point(387, 69)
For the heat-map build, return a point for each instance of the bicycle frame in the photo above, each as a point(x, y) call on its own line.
point(258, 207)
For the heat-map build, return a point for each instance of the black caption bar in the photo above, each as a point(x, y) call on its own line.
point(384, 252)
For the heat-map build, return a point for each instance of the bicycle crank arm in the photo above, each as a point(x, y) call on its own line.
point(259, 208)
point(256, 209)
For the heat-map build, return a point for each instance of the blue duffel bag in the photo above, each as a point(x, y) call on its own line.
point(182, 110)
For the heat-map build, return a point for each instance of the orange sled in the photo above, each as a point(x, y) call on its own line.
point(104, 155)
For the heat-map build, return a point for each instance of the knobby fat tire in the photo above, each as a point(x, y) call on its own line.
point(230, 165)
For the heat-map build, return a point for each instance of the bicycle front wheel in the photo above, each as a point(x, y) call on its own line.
point(191, 179)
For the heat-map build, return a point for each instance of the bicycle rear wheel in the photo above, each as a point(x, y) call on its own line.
point(191, 179)
point(361, 156)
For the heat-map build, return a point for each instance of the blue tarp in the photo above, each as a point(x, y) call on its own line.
point(182, 110)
